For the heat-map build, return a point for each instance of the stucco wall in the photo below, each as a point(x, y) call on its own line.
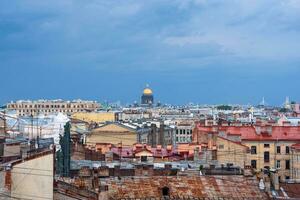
point(95, 117)
point(33, 179)
point(128, 138)
point(230, 152)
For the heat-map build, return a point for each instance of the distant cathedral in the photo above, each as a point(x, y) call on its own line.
point(147, 97)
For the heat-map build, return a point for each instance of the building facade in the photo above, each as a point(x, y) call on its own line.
point(28, 108)
point(98, 117)
point(183, 132)
point(295, 161)
point(113, 133)
point(269, 147)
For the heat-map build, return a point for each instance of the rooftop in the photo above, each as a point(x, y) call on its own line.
point(184, 187)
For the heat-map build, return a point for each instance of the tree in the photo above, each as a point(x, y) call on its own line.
point(284, 110)
point(64, 154)
point(224, 107)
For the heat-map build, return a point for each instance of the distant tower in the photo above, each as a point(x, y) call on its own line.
point(147, 97)
point(287, 103)
point(263, 102)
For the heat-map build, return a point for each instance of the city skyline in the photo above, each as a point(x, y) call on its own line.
point(199, 51)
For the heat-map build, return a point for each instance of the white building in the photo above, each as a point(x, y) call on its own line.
point(28, 108)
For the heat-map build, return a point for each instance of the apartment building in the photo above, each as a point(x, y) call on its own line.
point(269, 147)
point(184, 131)
point(295, 161)
point(28, 108)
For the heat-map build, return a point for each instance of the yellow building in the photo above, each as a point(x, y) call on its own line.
point(231, 152)
point(98, 117)
point(295, 161)
point(271, 154)
point(269, 146)
point(113, 133)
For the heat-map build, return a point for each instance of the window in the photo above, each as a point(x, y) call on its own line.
point(277, 164)
point(267, 145)
point(253, 164)
point(278, 149)
point(266, 156)
point(253, 149)
point(287, 164)
point(221, 146)
point(165, 191)
point(144, 158)
point(287, 150)
point(287, 177)
point(176, 139)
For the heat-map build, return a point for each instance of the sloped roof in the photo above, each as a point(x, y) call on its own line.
point(185, 187)
point(112, 127)
point(285, 133)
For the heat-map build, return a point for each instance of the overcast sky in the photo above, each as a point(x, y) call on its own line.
point(201, 51)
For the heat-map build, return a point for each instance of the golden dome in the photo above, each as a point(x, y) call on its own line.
point(147, 91)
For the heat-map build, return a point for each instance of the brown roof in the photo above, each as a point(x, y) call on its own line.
point(291, 189)
point(184, 187)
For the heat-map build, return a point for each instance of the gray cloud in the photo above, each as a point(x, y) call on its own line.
point(148, 34)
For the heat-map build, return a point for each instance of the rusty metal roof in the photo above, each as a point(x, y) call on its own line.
point(184, 187)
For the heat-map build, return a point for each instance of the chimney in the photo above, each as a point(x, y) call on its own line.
point(169, 148)
point(258, 130)
point(158, 147)
point(274, 180)
point(196, 154)
point(269, 130)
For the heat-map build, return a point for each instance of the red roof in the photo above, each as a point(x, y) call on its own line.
point(257, 133)
point(296, 146)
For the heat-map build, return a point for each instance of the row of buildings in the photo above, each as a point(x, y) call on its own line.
point(175, 152)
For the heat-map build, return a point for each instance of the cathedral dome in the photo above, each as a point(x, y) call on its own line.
point(147, 91)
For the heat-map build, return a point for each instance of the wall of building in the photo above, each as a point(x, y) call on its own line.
point(98, 117)
point(231, 152)
point(2, 124)
point(12, 149)
point(132, 116)
point(183, 134)
point(295, 164)
point(262, 146)
point(3, 185)
point(26, 108)
point(33, 179)
point(127, 138)
point(112, 133)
